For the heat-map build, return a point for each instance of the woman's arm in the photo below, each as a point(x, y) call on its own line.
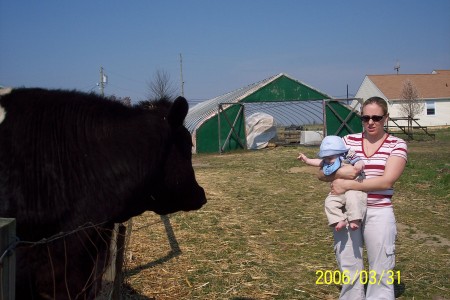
point(344, 172)
point(393, 170)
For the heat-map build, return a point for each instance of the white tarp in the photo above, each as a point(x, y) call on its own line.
point(261, 128)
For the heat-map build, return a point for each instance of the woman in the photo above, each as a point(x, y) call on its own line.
point(385, 158)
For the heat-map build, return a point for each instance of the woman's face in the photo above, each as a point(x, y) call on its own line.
point(371, 127)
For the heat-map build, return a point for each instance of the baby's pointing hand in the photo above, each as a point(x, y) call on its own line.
point(302, 157)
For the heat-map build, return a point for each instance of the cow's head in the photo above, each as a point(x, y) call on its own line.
point(178, 189)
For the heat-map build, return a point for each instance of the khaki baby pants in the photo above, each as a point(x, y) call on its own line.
point(351, 205)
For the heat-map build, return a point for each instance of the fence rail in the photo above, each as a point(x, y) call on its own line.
point(7, 258)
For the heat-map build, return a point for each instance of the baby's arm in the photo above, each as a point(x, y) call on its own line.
point(316, 162)
point(344, 172)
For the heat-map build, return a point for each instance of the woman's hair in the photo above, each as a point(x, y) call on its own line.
point(377, 100)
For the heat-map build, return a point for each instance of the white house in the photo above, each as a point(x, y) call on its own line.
point(434, 90)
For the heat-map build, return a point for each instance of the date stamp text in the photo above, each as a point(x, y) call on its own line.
point(363, 276)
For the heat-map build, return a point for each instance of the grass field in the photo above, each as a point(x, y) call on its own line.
point(263, 232)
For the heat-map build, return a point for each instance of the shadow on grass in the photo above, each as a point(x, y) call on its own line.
point(174, 249)
point(127, 292)
point(399, 289)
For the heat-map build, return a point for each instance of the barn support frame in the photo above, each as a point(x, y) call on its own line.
point(232, 132)
point(341, 118)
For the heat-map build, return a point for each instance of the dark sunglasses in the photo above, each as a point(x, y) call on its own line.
point(375, 118)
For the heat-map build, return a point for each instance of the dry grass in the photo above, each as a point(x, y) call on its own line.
point(263, 233)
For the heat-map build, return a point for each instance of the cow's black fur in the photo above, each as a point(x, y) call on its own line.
point(70, 159)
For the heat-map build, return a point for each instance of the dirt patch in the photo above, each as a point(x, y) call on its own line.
point(429, 239)
point(306, 169)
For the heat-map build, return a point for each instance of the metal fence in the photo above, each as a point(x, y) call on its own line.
point(7, 258)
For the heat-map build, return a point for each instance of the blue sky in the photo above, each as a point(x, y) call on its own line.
point(225, 45)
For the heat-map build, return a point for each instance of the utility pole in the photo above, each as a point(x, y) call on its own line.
point(181, 75)
point(102, 82)
point(347, 96)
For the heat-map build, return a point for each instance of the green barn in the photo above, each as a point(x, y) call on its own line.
point(218, 124)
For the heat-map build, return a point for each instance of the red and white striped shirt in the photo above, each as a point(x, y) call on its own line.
point(375, 164)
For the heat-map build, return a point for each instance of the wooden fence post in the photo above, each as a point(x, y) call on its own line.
point(7, 259)
point(120, 252)
point(113, 277)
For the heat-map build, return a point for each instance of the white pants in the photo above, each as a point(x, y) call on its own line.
point(378, 233)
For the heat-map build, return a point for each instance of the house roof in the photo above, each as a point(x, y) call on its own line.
point(430, 86)
point(441, 72)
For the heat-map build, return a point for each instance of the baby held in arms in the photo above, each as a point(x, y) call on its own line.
point(348, 208)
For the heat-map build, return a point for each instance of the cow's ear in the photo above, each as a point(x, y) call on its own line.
point(178, 112)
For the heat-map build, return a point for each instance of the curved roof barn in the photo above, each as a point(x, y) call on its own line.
point(202, 119)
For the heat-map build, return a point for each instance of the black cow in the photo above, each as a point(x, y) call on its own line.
point(73, 164)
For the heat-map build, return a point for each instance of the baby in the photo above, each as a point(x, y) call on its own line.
point(350, 206)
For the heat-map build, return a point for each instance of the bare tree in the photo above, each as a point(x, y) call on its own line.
point(411, 104)
point(161, 86)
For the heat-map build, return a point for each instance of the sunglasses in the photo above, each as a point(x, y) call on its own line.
point(375, 118)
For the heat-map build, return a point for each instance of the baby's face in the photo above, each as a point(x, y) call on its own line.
point(330, 159)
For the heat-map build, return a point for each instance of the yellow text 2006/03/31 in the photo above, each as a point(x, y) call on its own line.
point(363, 276)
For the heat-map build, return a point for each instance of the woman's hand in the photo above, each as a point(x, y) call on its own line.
point(338, 186)
point(394, 168)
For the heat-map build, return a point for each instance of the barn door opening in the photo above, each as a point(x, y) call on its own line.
point(341, 116)
point(231, 127)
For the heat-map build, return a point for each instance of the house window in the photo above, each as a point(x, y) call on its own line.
point(431, 108)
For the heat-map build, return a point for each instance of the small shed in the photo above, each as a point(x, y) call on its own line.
point(218, 124)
